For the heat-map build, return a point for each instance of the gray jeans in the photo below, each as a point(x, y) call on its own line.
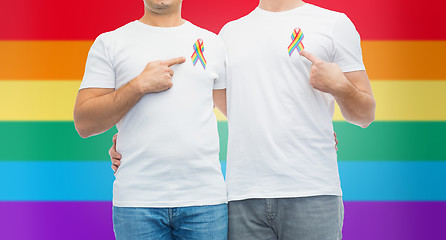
point(302, 218)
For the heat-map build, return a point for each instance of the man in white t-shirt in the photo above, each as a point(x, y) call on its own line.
point(282, 175)
point(155, 79)
point(288, 62)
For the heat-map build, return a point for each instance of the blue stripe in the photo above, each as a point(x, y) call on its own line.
point(393, 181)
point(92, 181)
point(223, 167)
point(56, 181)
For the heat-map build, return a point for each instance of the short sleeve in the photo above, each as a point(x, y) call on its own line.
point(220, 81)
point(99, 72)
point(222, 32)
point(347, 51)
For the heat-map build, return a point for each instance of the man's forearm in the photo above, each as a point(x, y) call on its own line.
point(356, 106)
point(98, 110)
point(351, 90)
point(219, 97)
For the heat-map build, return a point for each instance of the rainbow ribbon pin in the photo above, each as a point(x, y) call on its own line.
point(198, 53)
point(297, 37)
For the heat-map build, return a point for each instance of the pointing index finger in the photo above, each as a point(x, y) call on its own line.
point(174, 61)
point(310, 57)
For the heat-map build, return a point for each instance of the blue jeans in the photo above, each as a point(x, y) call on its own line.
point(198, 222)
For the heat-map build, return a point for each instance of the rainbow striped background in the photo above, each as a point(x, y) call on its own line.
point(55, 185)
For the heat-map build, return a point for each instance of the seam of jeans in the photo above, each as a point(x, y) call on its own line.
point(271, 211)
point(170, 212)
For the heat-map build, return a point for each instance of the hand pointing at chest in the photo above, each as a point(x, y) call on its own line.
point(325, 76)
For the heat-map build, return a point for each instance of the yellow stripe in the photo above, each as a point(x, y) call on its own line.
point(37, 100)
point(408, 100)
point(54, 100)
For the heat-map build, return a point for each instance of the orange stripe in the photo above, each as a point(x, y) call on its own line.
point(405, 60)
point(48, 60)
point(65, 60)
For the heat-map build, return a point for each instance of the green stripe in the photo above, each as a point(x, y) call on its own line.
point(381, 141)
point(223, 133)
point(397, 141)
point(51, 141)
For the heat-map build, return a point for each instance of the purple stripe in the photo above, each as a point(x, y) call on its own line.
point(92, 220)
point(394, 220)
point(56, 220)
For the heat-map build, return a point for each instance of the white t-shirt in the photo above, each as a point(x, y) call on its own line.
point(168, 140)
point(281, 140)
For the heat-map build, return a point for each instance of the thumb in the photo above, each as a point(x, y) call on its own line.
point(310, 57)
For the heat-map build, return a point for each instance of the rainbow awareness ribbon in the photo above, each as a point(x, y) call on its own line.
point(198, 53)
point(297, 37)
